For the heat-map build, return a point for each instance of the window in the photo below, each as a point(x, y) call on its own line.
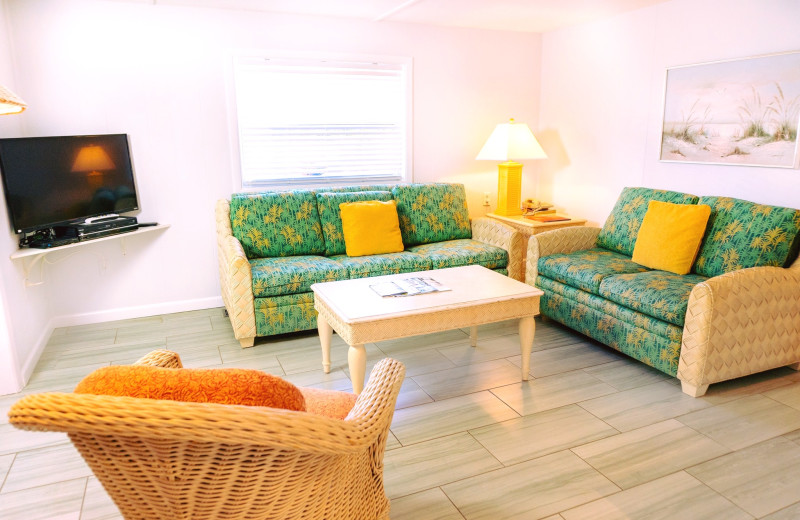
point(313, 121)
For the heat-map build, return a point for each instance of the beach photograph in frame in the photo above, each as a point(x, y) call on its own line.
point(740, 112)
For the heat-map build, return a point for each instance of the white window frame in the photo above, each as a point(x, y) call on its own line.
point(313, 181)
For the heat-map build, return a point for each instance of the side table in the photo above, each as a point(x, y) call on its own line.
point(530, 227)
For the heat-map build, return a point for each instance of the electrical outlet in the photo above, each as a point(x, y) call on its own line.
point(485, 198)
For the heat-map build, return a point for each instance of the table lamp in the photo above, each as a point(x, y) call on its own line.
point(509, 142)
point(10, 103)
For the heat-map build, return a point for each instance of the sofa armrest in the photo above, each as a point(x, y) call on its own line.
point(235, 278)
point(740, 323)
point(498, 234)
point(564, 240)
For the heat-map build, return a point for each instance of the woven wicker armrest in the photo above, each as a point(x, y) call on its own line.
point(161, 358)
point(235, 278)
point(740, 323)
point(187, 422)
point(496, 233)
point(564, 240)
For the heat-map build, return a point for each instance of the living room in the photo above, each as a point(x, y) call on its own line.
point(160, 72)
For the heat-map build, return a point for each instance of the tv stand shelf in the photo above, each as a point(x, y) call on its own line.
point(36, 255)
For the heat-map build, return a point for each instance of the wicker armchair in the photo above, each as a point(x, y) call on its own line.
point(163, 460)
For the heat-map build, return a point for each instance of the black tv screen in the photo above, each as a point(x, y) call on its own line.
point(66, 179)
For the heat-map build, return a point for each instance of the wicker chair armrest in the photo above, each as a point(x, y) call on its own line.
point(496, 233)
point(235, 276)
point(564, 240)
point(740, 323)
point(161, 358)
point(130, 417)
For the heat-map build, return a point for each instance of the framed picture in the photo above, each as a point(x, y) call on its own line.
point(742, 112)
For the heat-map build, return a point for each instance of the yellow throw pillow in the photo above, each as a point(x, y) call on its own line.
point(371, 227)
point(670, 236)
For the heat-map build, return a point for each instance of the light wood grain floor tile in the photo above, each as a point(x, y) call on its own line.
point(534, 489)
point(570, 357)
point(30, 468)
point(467, 379)
point(641, 406)
point(5, 465)
point(411, 395)
point(537, 395)
point(421, 361)
point(59, 501)
point(487, 350)
point(760, 479)
point(14, 440)
point(430, 464)
point(392, 442)
point(533, 436)
point(672, 497)
point(98, 505)
point(432, 504)
point(788, 395)
point(793, 436)
point(449, 416)
point(763, 382)
point(651, 452)
point(176, 327)
point(744, 422)
point(624, 375)
point(788, 513)
point(403, 345)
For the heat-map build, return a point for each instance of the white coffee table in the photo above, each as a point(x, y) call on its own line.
point(477, 296)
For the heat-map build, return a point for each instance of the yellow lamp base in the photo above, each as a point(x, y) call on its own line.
point(509, 187)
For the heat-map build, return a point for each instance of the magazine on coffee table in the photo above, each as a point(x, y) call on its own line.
point(409, 287)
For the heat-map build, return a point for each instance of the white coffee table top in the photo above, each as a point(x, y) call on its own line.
point(354, 300)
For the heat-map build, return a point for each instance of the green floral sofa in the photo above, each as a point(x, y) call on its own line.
point(735, 314)
point(272, 246)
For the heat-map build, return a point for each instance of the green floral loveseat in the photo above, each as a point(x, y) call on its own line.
point(272, 246)
point(736, 313)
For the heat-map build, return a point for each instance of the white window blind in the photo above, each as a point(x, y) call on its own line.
point(308, 121)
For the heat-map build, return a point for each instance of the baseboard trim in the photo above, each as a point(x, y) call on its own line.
point(123, 313)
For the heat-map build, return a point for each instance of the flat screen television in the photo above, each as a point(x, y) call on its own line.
point(60, 180)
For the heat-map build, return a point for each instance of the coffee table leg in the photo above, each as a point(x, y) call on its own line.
point(473, 335)
point(357, 361)
point(325, 334)
point(527, 328)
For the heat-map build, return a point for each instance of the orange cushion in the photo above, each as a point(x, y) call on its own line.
point(329, 403)
point(197, 385)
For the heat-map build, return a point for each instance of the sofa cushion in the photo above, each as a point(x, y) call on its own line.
point(371, 227)
point(288, 313)
point(432, 212)
point(670, 236)
point(659, 294)
point(331, 218)
point(329, 403)
point(273, 224)
point(290, 275)
point(743, 234)
point(622, 225)
point(379, 265)
point(456, 253)
point(586, 269)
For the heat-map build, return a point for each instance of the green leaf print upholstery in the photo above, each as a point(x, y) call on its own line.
point(379, 265)
point(622, 226)
point(586, 269)
point(290, 275)
point(331, 217)
point(282, 314)
point(432, 212)
point(457, 253)
point(274, 224)
point(658, 294)
point(743, 234)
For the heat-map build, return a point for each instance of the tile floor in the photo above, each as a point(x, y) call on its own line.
point(593, 435)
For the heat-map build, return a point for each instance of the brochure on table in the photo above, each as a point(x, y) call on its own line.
point(409, 287)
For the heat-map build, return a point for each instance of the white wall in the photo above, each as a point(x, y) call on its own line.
point(158, 73)
point(602, 100)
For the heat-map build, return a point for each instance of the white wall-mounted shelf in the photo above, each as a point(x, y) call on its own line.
point(32, 256)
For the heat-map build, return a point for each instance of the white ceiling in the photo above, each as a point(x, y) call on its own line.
point(508, 15)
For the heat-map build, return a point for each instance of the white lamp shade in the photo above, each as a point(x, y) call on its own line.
point(511, 141)
point(10, 103)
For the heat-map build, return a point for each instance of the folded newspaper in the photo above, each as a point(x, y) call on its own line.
point(409, 287)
